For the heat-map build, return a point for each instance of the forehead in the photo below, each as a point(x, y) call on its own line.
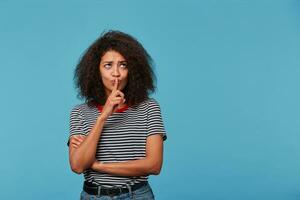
point(112, 55)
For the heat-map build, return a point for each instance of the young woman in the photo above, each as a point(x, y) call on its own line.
point(116, 136)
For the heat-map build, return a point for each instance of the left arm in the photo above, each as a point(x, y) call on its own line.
point(151, 164)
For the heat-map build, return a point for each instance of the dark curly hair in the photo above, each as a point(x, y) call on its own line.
point(141, 77)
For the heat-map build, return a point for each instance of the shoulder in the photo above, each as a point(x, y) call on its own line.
point(149, 103)
point(79, 109)
point(153, 102)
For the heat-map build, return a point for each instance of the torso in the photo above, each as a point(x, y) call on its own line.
point(123, 138)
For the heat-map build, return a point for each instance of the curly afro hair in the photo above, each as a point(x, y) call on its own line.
point(141, 78)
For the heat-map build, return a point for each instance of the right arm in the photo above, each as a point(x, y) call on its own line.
point(82, 151)
point(83, 157)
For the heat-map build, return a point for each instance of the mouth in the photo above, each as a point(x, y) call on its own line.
point(113, 81)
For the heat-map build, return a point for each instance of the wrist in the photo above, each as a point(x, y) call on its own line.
point(97, 165)
point(101, 118)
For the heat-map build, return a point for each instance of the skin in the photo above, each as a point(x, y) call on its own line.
point(82, 149)
point(113, 69)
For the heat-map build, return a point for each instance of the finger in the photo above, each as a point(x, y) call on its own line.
point(117, 101)
point(116, 84)
point(82, 137)
point(75, 145)
point(113, 101)
point(115, 104)
point(79, 139)
point(76, 142)
point(117, 98)
point(119, 93)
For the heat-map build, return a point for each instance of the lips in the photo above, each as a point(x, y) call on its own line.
point(113, 82)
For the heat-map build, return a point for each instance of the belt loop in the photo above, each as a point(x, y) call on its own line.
point(130, 191)
point(99, 190)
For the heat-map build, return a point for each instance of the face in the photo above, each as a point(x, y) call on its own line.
point(113, 66)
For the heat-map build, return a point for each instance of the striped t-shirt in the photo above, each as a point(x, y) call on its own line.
point(123, 137)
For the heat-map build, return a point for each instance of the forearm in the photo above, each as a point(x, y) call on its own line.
point(143, 167)
point(83, 157)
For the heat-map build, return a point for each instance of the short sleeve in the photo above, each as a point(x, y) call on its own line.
point(155, 123)
point(76, 123)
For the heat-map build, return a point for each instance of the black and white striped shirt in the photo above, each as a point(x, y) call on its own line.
point(123, 137)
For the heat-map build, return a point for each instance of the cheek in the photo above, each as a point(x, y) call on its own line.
point(125, 75)
point(105, 80)
point(104, 76)
point(125, 78)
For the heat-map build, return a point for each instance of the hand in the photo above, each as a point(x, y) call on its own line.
point(76, 140)
point(115, 99)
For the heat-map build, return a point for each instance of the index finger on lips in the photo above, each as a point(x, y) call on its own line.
point(116, 84)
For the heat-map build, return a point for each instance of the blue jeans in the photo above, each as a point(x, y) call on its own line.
point(143, 193)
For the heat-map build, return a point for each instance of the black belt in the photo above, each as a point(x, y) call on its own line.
point(93, 189)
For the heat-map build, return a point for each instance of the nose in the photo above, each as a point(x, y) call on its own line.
point(115, 72)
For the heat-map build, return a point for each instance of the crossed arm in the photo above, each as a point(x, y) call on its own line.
point(151, 164)
point(83, 150)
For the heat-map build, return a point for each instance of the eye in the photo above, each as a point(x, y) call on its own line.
point(107, 66)
point(123, 65)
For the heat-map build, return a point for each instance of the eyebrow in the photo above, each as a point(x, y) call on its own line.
point(122, 61)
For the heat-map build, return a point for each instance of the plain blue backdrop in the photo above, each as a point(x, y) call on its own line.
point(228, 85)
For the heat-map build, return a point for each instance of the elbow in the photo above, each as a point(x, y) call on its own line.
point(78, 166)
point(155, 169)
point(75, 168)
point(155, 172)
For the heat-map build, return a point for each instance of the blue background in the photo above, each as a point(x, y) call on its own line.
point(228, 86)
